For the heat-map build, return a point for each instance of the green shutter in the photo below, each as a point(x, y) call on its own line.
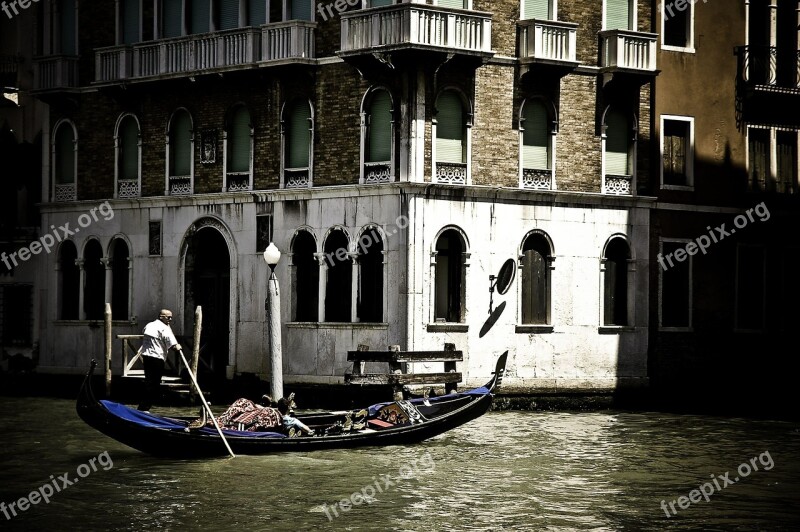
point(450, 129)
point(538, 9)
point(65, 155)
point(380, 3)
point(617, 144)
point(228, 14)
point(172, 15)
point(130, 22)
point(180, 145)
point(239, 141)
point(298, 135)
point(380, 128)
point(618, 15)
point(199, 15)
point(535, 137)
point(67, 28)
point(459, 4)
point(128, 138)
point(257, 12)
point(300, 10)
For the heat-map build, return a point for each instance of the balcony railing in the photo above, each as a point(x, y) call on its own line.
point(56, 72)
point(296, 178)
point(241, 47)
point(375, 173)
point(548, 40)
point(768, 65)
point(628, 50)
point(180, 185)
point(66, 192)
point(128, 188)
point(451, 173)
point(537, 179)
point(238, 181)
point(618, 184)
point(416, 25)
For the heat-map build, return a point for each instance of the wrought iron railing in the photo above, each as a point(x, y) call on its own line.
point(66, 192)
point(618, 184)
point(296, 178)
point(451, 173)
point(768, 65)
point(180, 185)
point(128, 188)
point(377, 173)
point(537, 179)
point(238, 181)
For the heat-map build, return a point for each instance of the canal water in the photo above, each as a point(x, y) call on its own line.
point(505, 471)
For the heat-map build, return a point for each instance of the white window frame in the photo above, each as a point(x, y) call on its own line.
point(367, 101)
point(689, 152)
point(552, 8)
point(634, 10)
point(690, 327)
point(453, 326)
point(469, 118)
point(118, 148)
point(736, 328)
point(168, 150)
point(689, 48)
point(552, 138)
point(634, 148)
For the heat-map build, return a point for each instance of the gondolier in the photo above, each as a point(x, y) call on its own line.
point(158, 340)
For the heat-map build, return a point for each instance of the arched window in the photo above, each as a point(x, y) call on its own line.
point(537, 152)
point(450, 289)
point(616, 284)
point(451, 139)
point(128, 157)
point(69, 281)
point(120, 275)
point(339, 285)
point(618, 153)
point(238, 151)
point(65, 147)
point(306, 278)
point(370, 288)
point(180, 149)
point(378, 137)
point(297, 142)
point(94, 281)
point(536, 280)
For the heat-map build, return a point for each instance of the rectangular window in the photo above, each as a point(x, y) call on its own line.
point(199, 16)
point(750, 284)
point(299, 10)
point(227, 14)
point(154, 238)
point(787, 162)
point(257, 12)
point(67, 27)
point(263, 231)
point(538, 9)
point(677, 151)
point(678, 19)
point(458, 4)
point(758, 149)
point(130, 22)
point(675, 286)
point(172, 18)
point(618, 15)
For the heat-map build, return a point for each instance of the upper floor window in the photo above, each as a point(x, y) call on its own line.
point(199, 15)
point(619, 14)
point(786, 180)
point(759, 157)
point(65, 167)
point(298, 129)
point(299, 10)
point(450, 274)
point(378, 136)
point(618, 153)
point(67, 27)
point(130, 25)
point(677, 25)
point(239, 150)
point(451, 136)
point(458, 4)
point(129, 160)
point(536, 162)
point(257, 12)
point(535, 263)
point(171, 18)
point(538, 9)
point(227, 14)
point(379, 3)
point(677, 151)
point(305, 278)
point(180, 154)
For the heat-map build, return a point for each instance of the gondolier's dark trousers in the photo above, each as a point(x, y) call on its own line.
point(153, 371)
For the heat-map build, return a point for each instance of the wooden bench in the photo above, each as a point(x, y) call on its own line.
point(397, 376)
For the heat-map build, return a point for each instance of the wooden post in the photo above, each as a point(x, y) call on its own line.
point(198, 325)
point(359, 367)
point(396, 368)
point(108, 346)
point(450, 367)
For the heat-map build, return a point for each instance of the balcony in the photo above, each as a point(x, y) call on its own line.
point(55, 72)
point(237, 49)
point(629, 52)
point(768, 85)
point(547, 42)
point(416, 27)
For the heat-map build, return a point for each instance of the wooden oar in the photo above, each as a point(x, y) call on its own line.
point(205, 404)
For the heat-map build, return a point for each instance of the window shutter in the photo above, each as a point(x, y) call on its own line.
point(172, 14)
point(180, 145)
point(200, 11)
point(759, 156)
point(228, 14)
point(459, 4)
point(450, 134)
point(239, 141)
point(128, 149)
point(534, 288)
point(380, 128)
point(300, 10)
point(68, 27)
point(298, 137)
point(538, 9)
point(130, 22)
point(380, 3)
point(65, 155)
point(535, 137)
point(618, 15)
point(257, 12)
point(617, 144)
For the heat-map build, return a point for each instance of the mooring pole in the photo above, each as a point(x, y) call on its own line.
point(198, 326)
point(108, 346)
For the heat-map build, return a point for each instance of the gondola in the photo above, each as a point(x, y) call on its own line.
point(172, 437)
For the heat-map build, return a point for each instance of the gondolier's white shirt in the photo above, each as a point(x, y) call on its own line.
point(158, 338)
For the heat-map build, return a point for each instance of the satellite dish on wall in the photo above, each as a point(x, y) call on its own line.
point(506, 276)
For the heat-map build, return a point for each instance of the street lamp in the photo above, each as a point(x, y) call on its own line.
point(272, 305)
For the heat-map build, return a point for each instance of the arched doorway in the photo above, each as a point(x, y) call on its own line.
point(207, 283)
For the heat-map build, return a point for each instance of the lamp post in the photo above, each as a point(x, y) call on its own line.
point(273, 307)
